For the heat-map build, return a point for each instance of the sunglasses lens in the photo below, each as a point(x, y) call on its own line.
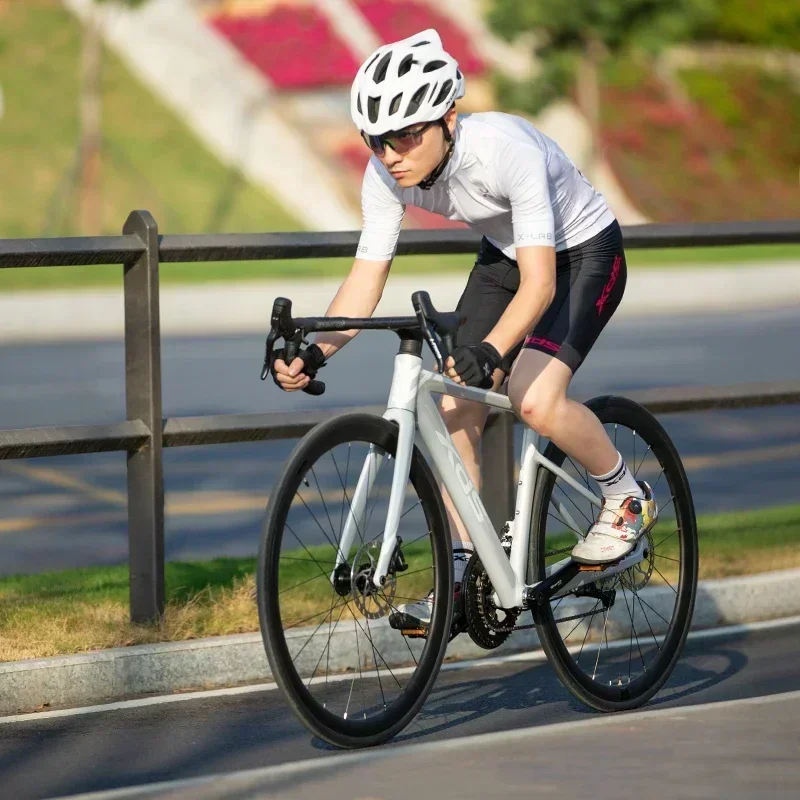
point(374, 143)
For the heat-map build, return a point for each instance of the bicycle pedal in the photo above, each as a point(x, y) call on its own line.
point(414, 633)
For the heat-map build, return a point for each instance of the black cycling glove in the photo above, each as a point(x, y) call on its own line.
point(312, 357)
point(476, 363)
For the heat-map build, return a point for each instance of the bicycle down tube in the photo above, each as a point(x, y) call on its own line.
point(412, 407)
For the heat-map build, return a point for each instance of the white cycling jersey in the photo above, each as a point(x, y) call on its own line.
point(505, 179)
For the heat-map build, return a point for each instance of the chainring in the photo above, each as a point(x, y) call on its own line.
point(487, 625)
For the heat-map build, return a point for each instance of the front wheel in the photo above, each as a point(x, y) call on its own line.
point(615, 642)
point(349, 676)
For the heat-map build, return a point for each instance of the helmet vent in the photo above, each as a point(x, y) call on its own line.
point(448, 85)
point(373, 108)
point(395, 104)
point(420, 44)
point(416, 100)
point(358, 104)
point(432, 65)
point(381, 69)
point(405, 65)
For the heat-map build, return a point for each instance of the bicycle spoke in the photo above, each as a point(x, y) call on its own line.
point(305, 560)
point(586, 474)
point(647, 620)
point(418, 503)
point(319, 566)
point(325, 649)
point(574, 504)
point(653, 610)
point(314, 516)
point(641, 463)
point(588, 628)
point(377, 667)
point(667, 558)
point(664, 579)
point(324, 504)
point(347, 497)
point(666, 538)
point(633, 628)
point(569, 527)
point(297, 654)
point(302, 583)
point(330, 636)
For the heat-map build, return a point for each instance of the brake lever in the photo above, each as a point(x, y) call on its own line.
point(430, 338)
point(271, 337)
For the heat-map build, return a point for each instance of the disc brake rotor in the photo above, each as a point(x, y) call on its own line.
point(372, 601)
point(638, 576)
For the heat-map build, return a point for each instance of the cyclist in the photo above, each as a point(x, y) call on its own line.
point(550, 273)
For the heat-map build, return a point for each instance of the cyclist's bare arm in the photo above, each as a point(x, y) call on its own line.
point(358, 296)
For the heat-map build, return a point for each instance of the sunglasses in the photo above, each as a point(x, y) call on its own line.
point(401, 142)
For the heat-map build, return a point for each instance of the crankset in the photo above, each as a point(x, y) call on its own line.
point(488, 626)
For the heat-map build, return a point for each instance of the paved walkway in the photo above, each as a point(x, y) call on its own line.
point(244, 307)
point(737, 749)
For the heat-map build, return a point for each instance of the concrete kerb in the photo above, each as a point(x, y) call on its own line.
point(232, 660)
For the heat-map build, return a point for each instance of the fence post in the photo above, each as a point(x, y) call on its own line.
point(497, 468)
point(143, 401)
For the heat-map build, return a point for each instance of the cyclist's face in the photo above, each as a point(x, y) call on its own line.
point(419, 154)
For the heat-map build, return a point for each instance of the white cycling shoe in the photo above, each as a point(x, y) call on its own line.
point(618, 529)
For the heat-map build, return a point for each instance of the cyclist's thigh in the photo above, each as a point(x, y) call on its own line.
point(492, 284)
point(590, 282)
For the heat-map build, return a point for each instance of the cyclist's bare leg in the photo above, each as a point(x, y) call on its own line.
point(537, 388)
point(465, 421)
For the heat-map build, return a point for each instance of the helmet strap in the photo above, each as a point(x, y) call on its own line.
point(426, 183)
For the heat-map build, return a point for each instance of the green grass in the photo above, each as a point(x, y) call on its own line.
point(78, 610)
point(150, 158)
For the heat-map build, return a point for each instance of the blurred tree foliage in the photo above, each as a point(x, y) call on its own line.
point(575, 38)
point(765, 23)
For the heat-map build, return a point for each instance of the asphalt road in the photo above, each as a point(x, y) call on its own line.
point(71, 511)
point(141, 745)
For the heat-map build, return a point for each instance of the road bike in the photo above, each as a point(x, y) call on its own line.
point(356, 529)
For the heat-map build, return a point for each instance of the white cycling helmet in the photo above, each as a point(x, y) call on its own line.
point(403, 83)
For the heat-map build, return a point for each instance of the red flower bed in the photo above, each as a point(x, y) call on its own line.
point(398, 19)
point(293, 46)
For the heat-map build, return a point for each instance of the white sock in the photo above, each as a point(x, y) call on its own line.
point(618, 484)
point(461, 554)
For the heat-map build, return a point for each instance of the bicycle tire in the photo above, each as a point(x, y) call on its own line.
point(618, 410)
point(350, 732)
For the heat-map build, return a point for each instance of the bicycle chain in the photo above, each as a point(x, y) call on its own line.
point(475, 594)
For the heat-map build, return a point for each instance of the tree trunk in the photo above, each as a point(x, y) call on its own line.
point(91, 126)
point(588, 91)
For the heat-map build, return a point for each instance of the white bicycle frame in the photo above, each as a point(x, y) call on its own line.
point(413, 408)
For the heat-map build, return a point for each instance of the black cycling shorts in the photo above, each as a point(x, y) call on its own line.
point(590, 281)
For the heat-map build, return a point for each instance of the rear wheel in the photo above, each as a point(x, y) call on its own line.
point(349, 676)
point(615, 642)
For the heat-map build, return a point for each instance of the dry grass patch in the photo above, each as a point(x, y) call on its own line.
point(80, 610)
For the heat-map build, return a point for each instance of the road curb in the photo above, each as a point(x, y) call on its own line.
point(230, 660)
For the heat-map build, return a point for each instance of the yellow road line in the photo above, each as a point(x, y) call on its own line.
point(55, 477)
point(196, 503)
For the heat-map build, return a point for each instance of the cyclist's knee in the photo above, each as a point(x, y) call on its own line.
point(541, 406)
